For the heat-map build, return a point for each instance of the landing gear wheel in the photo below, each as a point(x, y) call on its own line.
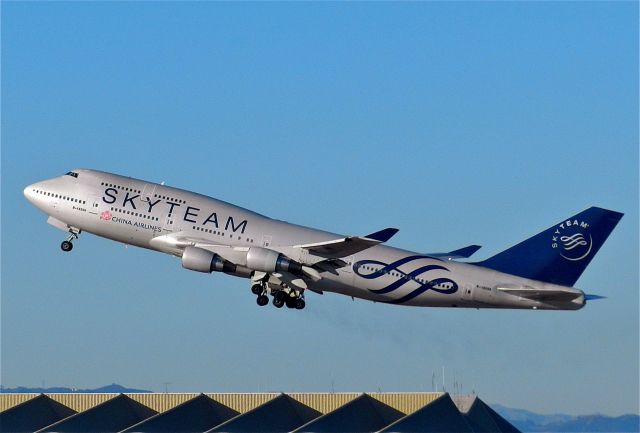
point(256, 289)
point(66, 245)
point(300, 304)
point(262, 300)
point(278, 302)
point(291, 303)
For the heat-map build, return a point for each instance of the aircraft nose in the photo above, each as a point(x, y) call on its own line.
point(28, 192)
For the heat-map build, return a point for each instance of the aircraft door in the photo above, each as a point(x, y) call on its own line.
point(147, 192)
point(169, 222)
point(467, 292)
point(94, 204)
point(349, 261)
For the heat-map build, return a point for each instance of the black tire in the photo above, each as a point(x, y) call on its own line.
point(291, 303)
point(262, 300)
point(66, 246)
point(278, 302)
point(256, 289)
point(279, 296)
point(300, 304)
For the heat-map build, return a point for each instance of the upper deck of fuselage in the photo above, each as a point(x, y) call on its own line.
point(102, 178)
point(282, 232)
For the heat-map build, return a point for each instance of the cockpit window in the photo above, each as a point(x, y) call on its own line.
point(72, 173)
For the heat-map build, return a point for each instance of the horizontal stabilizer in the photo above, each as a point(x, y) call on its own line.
point(338, 248)
point(559, 295)
point(462, 253)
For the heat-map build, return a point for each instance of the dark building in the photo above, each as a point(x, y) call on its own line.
point(248, 413)
point(199, 414)
point(361, 415)
point(439, 416)
point(111, 416)
point(33, 415)
point(281, 414)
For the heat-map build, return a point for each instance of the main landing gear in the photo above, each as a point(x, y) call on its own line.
point(66, 245)
point(259, 290)
point(262, 300)
point(293, 299)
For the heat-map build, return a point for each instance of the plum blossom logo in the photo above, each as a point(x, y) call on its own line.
point(106, 215)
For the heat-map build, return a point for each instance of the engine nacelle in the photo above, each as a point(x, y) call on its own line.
point(201, 260)
point(266, 260)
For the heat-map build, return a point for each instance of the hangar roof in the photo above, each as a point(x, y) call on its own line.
point(33, 414)
point(196, 415)
point(251, 412)
point(282, 414)
point(502, 424)
point(440, 416)
point(111, 416)
point(362, 414)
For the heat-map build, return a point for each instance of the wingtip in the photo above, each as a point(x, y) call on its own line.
point(383, 235)
point(466, 252)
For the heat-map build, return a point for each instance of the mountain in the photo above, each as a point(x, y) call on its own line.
point(531, 422)
point(597, 423)
point(113, 388)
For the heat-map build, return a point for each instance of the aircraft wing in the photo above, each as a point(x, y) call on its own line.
point(461, 253)
point(337, 248)
point(331, 251)
point(559, 295)
point(179, 241)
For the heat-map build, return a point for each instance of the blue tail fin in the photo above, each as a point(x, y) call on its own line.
point(561, 253)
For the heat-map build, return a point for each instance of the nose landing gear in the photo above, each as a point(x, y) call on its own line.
point(66, 245)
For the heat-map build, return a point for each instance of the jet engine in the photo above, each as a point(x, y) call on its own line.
point(266, 260)
point(201, 260)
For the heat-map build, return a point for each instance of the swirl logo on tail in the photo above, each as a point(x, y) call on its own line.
point(571, 242)
point(576, 245)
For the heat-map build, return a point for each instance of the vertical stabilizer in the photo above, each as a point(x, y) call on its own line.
point(561, 253)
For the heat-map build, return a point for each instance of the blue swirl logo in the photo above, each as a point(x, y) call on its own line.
point(372, 269)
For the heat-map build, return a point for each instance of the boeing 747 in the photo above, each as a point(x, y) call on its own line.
point(285, 261)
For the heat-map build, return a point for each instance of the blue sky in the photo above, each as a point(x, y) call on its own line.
point(458, 123)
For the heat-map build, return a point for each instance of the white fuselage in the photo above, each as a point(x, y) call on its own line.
point(165, 219)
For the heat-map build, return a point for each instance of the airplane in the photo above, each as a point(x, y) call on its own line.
point(285, 261)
